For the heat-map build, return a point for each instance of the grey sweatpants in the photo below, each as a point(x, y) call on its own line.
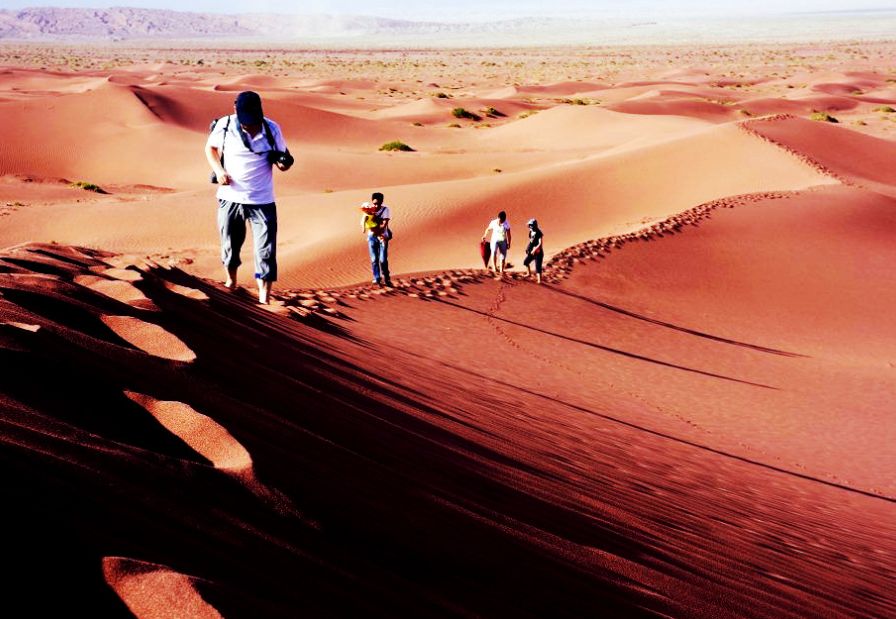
point(232, 218)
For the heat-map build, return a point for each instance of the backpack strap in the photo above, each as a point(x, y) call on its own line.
point(224, 139)
point(270, 135)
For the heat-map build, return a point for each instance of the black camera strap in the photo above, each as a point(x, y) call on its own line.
point(268, 134)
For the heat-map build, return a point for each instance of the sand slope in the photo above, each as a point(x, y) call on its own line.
point(691, 417)
point(583, 170)
point(560, 481)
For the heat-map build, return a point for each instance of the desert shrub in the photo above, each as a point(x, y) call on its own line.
point(528, 113)
point(454, 126)
point(441, 95)
point(88, 187)
point(885, 109)
point(823, 117)
point(396, 145)
point(492, 112)
point(460, 112)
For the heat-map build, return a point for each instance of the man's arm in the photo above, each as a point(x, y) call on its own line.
point(508, 238)
point(213, 155)
point(281, 146)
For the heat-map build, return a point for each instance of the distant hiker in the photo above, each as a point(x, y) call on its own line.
point(241, 150)
point(375, 224)
point(534, 250)
point(500, 240)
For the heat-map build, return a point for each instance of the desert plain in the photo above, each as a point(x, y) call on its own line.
point(693, 416)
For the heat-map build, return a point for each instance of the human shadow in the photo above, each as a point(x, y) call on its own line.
point(610, 349)
point(240, 303)
point(669, 325)
point(665, 435)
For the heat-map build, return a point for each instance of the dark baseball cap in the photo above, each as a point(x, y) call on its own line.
point(248, 108)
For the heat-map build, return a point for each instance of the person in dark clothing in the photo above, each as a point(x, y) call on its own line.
point(534, 250)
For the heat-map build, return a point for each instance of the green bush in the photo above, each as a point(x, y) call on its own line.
point(88, 187)
point(396, 145)
point(886, 109)
point(823, 117)
point(460, 112)
point(492, 112)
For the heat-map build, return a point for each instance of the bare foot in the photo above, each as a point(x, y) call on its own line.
point(230, 282)
point(264, 291)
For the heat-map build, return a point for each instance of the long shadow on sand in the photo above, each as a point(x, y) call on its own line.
point(663, 435)
point(615, 351)
point(416, 520)
point(669, 325)
point(243, 300)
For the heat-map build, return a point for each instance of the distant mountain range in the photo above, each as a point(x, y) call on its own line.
point(134, 23)
point(122, 24)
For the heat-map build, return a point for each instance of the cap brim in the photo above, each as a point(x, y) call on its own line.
point(249, 118)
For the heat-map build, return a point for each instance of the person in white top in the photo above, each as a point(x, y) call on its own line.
point(375, 224)
point(241, 150)
point(500, 241)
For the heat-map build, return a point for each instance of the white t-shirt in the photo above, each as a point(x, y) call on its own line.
point(499, 230)
point(382, 213)
point(251, 177)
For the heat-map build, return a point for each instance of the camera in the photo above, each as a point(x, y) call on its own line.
point(280, 156)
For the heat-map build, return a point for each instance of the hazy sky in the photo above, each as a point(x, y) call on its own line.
point(470, 10)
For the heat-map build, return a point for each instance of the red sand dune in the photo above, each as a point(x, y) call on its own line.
point(860, 159)
point(590, 128)
point(581, 199)
point(558, 88)
point(583, 477)
point(691, 417)
point(706, 110)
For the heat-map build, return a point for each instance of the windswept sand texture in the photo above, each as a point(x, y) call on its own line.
point(692, 417)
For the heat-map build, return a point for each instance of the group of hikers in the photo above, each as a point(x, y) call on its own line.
point(496, 242)
point(242, 150)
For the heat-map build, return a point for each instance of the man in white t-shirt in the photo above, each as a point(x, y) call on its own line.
point(241, 150)
point(375, 224)
point(500, 241)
